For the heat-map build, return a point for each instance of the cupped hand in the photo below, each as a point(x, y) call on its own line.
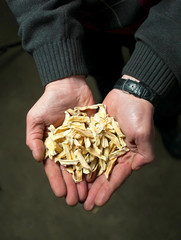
point(49, 109)
point(135, 117)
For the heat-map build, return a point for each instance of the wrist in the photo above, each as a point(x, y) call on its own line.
point(127, 97)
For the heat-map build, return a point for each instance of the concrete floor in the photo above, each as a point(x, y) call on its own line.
point(147, 206)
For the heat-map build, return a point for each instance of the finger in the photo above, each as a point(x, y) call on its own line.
point(138, 162)
point(89, 185)
point(119, 174)
point(82, 190)
point(72, 196)
point(93, 190)
point(144, 156)
point(34, 136)
point(38, 149)
point(145, 147)
point(55, 178)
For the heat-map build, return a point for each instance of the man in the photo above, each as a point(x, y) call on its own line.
point(60, 36)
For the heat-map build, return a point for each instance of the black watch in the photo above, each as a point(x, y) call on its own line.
point(138, 89)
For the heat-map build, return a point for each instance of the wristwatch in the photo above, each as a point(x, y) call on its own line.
point(138, 89)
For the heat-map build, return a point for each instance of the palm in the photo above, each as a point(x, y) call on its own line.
point(58, 98)
point(135, 120)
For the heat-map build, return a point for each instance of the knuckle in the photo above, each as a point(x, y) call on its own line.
point(34, 115)
point(31, 117)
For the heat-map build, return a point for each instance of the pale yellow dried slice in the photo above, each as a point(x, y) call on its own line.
point(77, 136)
point(93, 152)
point(113, 138)
point(87, 142)
point(116, 154)
point(104, 142)
point(61, 155)
point(106, 153)
point(102, 165)
point(70, 169)
point(50, 146)
point(77, 143)
point(82, 159)
point(67, 162)
point(84, 133)
point(78, 177)
point(94, 165)
point(78, 125)
point(79, 119)
point(71, 111)
point(61, 129)
point(67, 150)
point(110, 166)
point(117, 129)
point(88, 107)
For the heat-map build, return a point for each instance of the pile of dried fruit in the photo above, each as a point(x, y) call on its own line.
point(86, 144)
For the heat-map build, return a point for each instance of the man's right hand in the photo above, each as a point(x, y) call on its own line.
point(49, 109)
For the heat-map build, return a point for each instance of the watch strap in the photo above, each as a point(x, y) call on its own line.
point(138, 89)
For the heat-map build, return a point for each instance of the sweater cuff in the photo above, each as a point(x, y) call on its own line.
point(147, 67)
point(58, 60)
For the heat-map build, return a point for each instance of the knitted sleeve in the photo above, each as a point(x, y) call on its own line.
point(50, 32)
point(156, 59)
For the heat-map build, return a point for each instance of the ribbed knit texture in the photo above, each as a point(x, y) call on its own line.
point(58, 60)
point(147, 67)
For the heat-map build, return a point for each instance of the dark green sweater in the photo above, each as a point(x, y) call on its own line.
point(51, 32)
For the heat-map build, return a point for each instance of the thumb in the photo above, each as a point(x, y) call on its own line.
point(34, 138)
point(144, 156)
point(38, 149)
